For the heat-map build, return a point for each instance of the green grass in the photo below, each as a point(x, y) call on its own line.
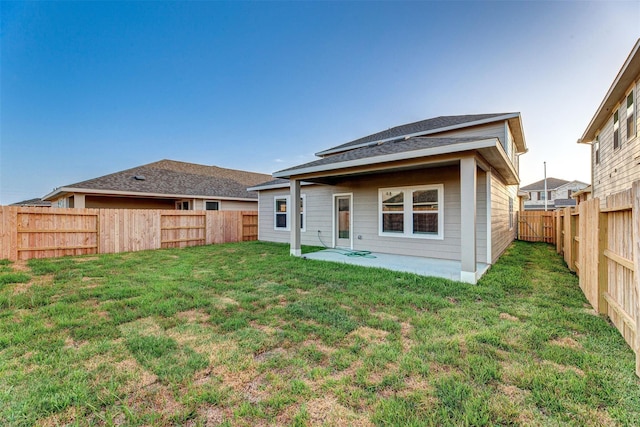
point(244, 334)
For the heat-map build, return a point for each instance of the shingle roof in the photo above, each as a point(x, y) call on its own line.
point(552, 183)
point(173, 177)
point(33, 202)
point(427, 125)
point(389, 147)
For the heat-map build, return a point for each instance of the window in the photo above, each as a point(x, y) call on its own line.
point(631, 117)
point(182, 205)
point(596, 150)
point(569, 192)
point(212, 206)
point(281, 213)
point(412, 211)
point(616, 131)
point(510, 213)
point(541, 195)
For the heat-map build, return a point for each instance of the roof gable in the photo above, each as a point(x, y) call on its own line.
point(552, 184)
point(421, 128)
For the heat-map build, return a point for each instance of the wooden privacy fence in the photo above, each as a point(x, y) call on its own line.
point(536, 226)
point(27, 233)
point(602, 245)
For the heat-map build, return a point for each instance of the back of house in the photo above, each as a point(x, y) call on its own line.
point(443, 188)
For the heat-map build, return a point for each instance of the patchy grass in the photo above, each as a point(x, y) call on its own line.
point(244, 334)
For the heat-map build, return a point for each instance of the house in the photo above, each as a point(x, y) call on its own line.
point(166, 184)
point(613, 133)
point(558, 194)
point(582, 195)
point(33, 203)
point(443, 188)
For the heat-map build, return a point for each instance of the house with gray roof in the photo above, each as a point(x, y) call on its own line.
point(166, 184)
point(558, 194)
point(444, 188)
point(614, 133)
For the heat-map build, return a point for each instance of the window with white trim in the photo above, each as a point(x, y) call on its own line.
point(631, 117)
point(596, 150)
point(616, 131)
point(412, 211)
point(281, 213)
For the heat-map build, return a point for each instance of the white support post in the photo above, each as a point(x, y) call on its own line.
point(489, 225)
point(468, 186)
point(295, 249)
point(79, 201)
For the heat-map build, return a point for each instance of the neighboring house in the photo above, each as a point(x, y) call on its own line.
point(444, 188)
point(166, 184)
point(33, 203)
point(558, 195)
point(613, 133)
point(582, 195)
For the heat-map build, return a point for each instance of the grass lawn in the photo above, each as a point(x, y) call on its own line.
point(244, 334)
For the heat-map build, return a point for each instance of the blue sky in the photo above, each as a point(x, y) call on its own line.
point(90, 88)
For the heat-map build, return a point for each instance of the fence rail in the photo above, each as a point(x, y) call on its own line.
point(27, 233)
point(602, 245)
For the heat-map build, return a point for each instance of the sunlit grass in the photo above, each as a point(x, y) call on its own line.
point(244, 334)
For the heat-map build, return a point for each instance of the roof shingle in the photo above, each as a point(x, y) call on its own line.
point(173, 177)
point(427, 125)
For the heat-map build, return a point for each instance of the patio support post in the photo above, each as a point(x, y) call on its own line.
point(468, 187)
point(295, 218)
point(489, 228)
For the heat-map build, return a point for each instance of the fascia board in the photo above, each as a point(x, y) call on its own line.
point(275, 186)
point(140, 194)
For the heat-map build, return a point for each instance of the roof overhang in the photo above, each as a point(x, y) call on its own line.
point(64, 191)
point(625, 78)
point(275, 186)
point(490, 149)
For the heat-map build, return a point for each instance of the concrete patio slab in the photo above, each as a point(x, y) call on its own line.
point(410, 264)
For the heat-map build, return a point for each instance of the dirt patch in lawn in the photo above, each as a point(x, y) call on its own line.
point(20, 265)
point(372, 335)
point(193, 316)
point(21, 288)
point(507, 316)
point(224, 302)
point(566, 342)
point(327, 411)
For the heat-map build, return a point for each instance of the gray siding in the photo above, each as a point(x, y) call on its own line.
point(492, 130)
point(620, 167)
point(227, 205)
point(501, 234)
point(319, 212)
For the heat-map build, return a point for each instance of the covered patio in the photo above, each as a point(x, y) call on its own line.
point(446, 269)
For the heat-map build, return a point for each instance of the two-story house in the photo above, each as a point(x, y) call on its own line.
point(613, 133)
point(558, 194)
point(444, 188)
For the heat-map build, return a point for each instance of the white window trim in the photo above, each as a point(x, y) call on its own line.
point(303, 225)
point(408, 212)
point(634, 113)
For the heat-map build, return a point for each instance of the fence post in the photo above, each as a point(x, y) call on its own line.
point(603, 263)
point(635, 215)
